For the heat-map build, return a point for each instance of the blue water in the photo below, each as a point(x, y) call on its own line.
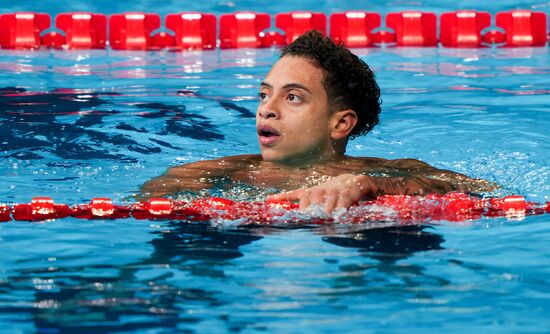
point(82, 124)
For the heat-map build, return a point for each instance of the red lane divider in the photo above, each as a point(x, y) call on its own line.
point(413, 28)
point(242, 30)
point(295, 24)
point(272, 38)
point(523, 27)
point(22, 30)
point(132, 31)
point(192, 30)
point(354, 28)
point(82, 30)
point(101, 208)
point(5, 212)
point(401, 208)
point(463, 28)
point(41, 208)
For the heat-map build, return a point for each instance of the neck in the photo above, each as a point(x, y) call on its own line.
point(310, 160)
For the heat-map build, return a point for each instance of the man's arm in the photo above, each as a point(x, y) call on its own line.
point(195, 176)
point(415, 178)
point(448, 180)
point(191, 177)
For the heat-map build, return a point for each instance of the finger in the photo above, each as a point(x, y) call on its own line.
point(293, 195)
point(277, 197)
point(305, 199)
point(353, 196)
point(331, 199)
point(317, 196)
point(343, 202)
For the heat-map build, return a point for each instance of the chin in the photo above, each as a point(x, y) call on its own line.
point(271, 156)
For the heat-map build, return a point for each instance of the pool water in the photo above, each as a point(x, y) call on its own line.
point(82, 124)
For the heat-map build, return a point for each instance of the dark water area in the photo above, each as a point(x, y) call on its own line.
point(29, 125)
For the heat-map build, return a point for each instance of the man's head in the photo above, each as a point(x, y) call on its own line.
point(348, 80)
point(314, 98)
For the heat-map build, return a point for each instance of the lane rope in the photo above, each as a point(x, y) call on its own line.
point(453, 207)
point(248, 29)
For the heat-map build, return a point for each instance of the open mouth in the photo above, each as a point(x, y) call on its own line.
point(267, 135)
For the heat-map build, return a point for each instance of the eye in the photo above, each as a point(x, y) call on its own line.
point(294, 98)
point(263, 96)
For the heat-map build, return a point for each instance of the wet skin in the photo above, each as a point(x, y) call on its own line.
point(302, 143)
point(401, 176)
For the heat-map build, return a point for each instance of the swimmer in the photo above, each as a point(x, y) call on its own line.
point(315, 98)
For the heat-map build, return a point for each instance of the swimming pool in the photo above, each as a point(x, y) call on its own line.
point(99, 123)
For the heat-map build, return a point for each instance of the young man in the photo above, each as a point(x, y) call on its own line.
point(316, 97)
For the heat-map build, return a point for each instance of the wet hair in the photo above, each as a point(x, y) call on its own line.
point(348, 80)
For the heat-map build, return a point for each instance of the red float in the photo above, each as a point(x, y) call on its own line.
point(295, 24)
point(83, 30)
point(162, 40)
point(41, 208)
point(53, 40)
point(413, 28)
point(494, 37)
point(462, 29)
point(100, 208)
point(383, 37)
point(514, 204)
point(523, 27)
point(5, 212)
point(460, 207)
point(163, 208)
point(242, 30)
point(22, 30)
point(354, 28)
point(132, 31)
point(272, 38)
point(193, 30)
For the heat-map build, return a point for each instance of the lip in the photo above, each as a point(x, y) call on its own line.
point(268, 135)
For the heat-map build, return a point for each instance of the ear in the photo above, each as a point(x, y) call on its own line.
point(343, 122)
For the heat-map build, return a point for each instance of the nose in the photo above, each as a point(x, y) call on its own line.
point(269, 109)
point(267, 114)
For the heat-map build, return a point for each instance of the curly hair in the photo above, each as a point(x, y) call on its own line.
point(348, 80)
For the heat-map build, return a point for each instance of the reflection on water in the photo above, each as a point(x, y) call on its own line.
point(388, 246)
point(187, 271)
point(36, 123)
point(390, 243)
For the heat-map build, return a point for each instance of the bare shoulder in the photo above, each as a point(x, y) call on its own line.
point(221, 165)
point(194, 176)
point(408, 164)
point(365, 161)
point(458, 181)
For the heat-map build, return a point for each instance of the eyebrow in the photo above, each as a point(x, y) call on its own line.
point(287, 86)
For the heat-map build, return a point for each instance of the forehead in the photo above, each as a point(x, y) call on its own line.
point(300, 70)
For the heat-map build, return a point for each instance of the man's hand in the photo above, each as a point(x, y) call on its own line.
point(347, 189)
point(338, 193)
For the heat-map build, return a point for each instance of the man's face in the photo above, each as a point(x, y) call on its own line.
point(293, 115)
